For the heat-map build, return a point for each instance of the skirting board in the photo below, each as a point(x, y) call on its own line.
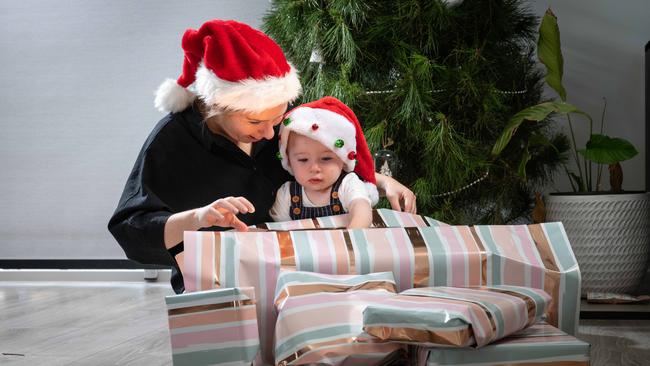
point(132, 275)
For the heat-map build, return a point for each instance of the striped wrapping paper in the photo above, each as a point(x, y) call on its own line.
point(537, 256)
point(320, 318)
point(215, 327)
point(538, 345)
point(456, 317)
point(380, 218)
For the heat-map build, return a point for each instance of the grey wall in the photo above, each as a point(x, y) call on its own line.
point(76, 93)
point(76, 101)
point(603, 46)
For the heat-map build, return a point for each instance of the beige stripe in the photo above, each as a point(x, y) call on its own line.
point(200, 308)
point(377, 220)
point(551, 274)
point(306, 289)
point(421, 260)
point(459, 338)
point(348, 244)
point(481, 248)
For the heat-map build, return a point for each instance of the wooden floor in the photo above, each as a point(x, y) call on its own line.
point(123, 323)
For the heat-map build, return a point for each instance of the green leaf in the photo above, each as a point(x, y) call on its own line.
point(535, 113)
point(522, 164)
point(603, 149)
point(549, 52)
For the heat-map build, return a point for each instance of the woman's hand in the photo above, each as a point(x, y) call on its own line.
point(400, 197)
point(222, 212)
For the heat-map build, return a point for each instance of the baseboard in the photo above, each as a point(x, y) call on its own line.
point(129, 275)
point(81, 270)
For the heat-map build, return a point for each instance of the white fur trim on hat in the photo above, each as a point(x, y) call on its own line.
point(171, 97)
point(331, 127)
point(250, 95)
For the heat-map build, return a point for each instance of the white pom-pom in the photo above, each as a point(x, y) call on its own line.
point(372, 193)
point(171, 97)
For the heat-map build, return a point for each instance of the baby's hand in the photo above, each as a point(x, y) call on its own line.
point(222, 213)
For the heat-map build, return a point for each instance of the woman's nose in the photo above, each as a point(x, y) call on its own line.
point(267, 131)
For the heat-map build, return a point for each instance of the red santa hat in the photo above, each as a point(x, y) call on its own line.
point(334, 125)
point(231, 65)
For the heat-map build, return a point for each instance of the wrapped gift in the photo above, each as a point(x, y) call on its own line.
point(459, 317)
point(537, 256)
point(538, 345)
point(213, 327)
point(320, 319)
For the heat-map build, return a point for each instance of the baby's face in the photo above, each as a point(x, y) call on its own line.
point(314, 166)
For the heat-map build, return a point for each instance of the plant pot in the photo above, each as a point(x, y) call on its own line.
point(609, 234)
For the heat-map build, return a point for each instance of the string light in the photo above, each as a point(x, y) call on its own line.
point(467, 186)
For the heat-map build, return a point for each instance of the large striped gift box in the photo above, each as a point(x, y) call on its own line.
point(537, 256)
point(455, 317)
point(320, 319)
point(538, 345)
point(213, 327)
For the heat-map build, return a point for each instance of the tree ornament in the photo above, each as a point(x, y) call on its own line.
point(385, 162)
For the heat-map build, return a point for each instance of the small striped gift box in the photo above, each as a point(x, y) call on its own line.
point(455, 317)
point(538, 345)
point(213, 327)
point(320, 319)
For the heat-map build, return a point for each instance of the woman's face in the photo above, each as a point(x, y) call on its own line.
point(248, 127)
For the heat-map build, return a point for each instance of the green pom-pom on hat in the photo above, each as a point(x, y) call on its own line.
point(339, 143)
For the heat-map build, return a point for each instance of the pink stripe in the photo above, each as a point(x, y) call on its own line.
point(326, 264)
point(381, 251)
point(207, 260)
point(503, 238)
point(537, 270)
point(458, 264)
point(405, 258)
point(235, 333)
point(319, 298)
point(190, 266)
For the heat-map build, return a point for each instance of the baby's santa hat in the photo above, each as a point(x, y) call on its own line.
point(334, 125)
point(230, 65)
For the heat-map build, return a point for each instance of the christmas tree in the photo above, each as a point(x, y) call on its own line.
point(434, 83)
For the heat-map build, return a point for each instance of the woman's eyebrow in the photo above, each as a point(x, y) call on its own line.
point(262, 120)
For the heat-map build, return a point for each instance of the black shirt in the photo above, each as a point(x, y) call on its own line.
point(182, 166)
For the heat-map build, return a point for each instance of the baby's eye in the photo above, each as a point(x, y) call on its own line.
point(326, 158)
point(302, 160)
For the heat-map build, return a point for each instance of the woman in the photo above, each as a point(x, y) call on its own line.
point(219, 142)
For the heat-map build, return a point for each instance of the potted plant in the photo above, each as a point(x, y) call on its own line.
point(608, 230)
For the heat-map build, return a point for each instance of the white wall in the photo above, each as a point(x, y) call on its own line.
point(76, 101)
point(76, 93)
point(603, 46)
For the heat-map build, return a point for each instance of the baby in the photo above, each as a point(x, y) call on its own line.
point(323, 147)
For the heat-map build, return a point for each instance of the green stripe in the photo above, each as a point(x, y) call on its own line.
point(540, 302)
point(326, 222)
point(493, 260)
point(561, 247)
point(389, 218)
point(302, 249)
point(437, 257)
point(297, 341)
point(570, 294)
point(215, 356)
point(228, 245)
point(439, 319)
point(203, 295)
point(363, 251)
point(505, 353)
